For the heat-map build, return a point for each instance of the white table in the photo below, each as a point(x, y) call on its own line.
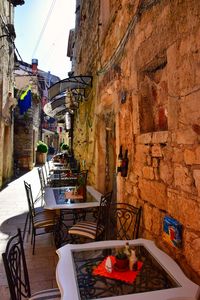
point(93, 199)
point(66, 274)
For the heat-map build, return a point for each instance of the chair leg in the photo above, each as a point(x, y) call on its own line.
point(32, 236)
point(33, 252)
point(25, 225)
point(29, 227)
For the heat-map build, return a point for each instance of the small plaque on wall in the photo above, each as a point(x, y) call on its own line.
point(172, 231)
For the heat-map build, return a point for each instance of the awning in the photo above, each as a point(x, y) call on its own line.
point(65, 95)
point(76, 85)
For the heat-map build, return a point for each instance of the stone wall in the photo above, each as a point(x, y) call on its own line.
point(144, 57)
point(6, 86)
point(27, 126)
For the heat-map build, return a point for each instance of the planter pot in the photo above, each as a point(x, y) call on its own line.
point(82, 191)
point(41, 158)
point(121, 263)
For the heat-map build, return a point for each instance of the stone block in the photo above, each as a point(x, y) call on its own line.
point(166, 172)
point(160, 137)
point(138, 168)
point(185, 210)
point(136, 191)
point(152, 219)
point(156, 174)
point(141, 152)
point(154, 192)
point(192, 246)
point(149, 160)
point(185, 137)
point(196, 175)
point(173, 107)
point(156, 151)
point(189, 157)
point(129, 187)
point(155, 162)
point(133, 178)
point(190, 109)
point(147, 213)
point(148, 172)
point(144, 138)
point(157, 221)
point(182, 178)
point(177, 156)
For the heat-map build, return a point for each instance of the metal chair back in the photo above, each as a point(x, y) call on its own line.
point(103, 213)
point(16, 268)
point(42, 179)
point(29, 198)
point(124, 221)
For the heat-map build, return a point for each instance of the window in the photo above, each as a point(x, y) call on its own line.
point(153, 99)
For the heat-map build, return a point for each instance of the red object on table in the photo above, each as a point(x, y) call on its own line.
point(70, 195)
point(123, 275)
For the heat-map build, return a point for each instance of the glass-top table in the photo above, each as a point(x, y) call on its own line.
point(160, 277)
point(59, 198)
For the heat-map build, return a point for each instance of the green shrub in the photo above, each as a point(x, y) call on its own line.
point(42, 147)
point(64, 147)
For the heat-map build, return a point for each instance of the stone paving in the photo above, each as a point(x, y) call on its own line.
point(13, 210)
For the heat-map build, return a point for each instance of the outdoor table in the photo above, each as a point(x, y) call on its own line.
point(159, 278)
point(60, 169)
point(55, 198)
point(57, 164)
point(62, 180)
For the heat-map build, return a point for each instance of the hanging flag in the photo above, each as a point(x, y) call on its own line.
point(24, 101)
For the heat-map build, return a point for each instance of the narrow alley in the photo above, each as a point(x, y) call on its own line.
point(13, 210)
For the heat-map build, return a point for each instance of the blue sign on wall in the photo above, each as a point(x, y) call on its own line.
point(172, 231)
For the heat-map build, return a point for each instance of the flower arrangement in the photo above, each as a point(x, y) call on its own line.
point(126, 257)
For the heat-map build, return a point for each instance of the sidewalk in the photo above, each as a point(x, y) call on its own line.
point(13, 210)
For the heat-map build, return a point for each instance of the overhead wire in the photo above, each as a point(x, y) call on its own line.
point(44, 27)
point(118, 52)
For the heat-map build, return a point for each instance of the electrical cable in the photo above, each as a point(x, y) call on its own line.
point(44, 27)
point(117, 54)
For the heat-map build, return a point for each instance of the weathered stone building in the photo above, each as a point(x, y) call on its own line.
point(7, 102)
point(144, 57)
point(31, 126)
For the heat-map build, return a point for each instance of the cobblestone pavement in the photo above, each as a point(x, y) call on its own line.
point(13, 210)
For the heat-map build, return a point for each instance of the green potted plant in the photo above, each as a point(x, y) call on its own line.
point(80, 188)
point(64, 147)
point(121, 260)
point(122, 257)
point(41, 154)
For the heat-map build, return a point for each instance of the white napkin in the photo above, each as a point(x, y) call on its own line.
point(108, 264)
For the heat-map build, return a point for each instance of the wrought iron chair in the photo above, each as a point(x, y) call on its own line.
point(42, 221)
point(38, 209)
point(94, 230)
point(124, 221)
point(17, 274)
point(43, 183)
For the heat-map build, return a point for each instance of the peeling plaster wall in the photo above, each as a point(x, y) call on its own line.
point(145, 62)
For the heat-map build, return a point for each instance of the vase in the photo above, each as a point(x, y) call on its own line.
point(121, 263)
